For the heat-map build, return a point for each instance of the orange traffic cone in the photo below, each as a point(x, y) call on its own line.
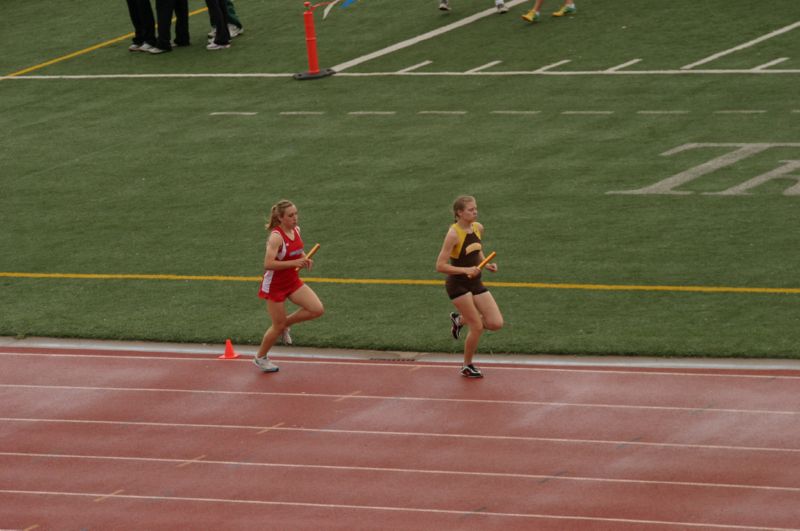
point(229, 352)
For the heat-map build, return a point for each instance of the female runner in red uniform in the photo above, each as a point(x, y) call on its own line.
point(478, 309)
point(284, 256)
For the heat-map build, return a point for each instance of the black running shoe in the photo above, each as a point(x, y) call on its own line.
point(471, 371)
point(455, 328)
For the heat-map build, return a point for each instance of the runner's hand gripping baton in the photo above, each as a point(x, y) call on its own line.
point(310, 254)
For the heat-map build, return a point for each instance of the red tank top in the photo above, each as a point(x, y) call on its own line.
point(289, 250)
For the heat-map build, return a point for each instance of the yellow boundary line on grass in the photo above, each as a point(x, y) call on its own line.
point(85, 50)
point(409, 282)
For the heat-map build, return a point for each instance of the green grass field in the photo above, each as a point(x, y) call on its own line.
point(108, 174)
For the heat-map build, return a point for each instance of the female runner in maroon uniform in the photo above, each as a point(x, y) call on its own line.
point(281, 281)
point(478, 309)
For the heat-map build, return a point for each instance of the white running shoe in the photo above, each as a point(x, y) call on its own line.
point(444, 5)
point(501, 7)
point(286, 338)
point(265, 364)
point(214, 46)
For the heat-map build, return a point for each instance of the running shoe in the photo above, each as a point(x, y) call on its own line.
point(471, 371)
point(531, 16)
point(214, 46)
point(455, 325)
point(135, 47)
point(569, 9)
point(444, 5)
point(501, 7)
point(265, 364)
point(286, 339)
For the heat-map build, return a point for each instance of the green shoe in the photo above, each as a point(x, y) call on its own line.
point(531, 16)
point(566, 10)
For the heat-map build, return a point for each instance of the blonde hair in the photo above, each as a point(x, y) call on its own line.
point(461, 203)
point(276, 213)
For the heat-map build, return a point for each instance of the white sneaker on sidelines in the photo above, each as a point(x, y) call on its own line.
point(444, 5)
point(235, 31)
point(265, 364)
point(501, 7)
point(135, 47)
point(214, 46)
point(286, 339)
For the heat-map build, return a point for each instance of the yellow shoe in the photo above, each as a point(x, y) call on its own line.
point(531, 16)
point(566, 10)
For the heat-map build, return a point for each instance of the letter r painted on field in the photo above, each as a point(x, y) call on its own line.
point(789, 169)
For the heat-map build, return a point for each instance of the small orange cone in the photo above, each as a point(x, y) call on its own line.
point(229, 352)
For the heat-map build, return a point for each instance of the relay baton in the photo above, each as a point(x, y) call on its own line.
point(310, 253)
point(487, 260)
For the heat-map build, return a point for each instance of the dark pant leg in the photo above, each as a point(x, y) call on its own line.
point(219, 19)
point(141, 14)
point(182, 22)
point(148, 22)
point(233, 18)
point(164, 9)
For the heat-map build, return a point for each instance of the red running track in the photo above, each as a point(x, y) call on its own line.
point(93, 439)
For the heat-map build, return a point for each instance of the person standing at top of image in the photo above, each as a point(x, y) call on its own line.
point(144, 25)
point(444, 5)
point(219, 19)
point(164, 12)
point(461, 253)
point(284, 257)
point(533, 15)
point(235, 27)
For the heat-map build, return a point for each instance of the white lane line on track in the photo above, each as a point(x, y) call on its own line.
point(459, 512)
point(286, 357)
point(432, 435)
point(358, 395)
point(179, 463)
point(747, 44)
point(233, 113)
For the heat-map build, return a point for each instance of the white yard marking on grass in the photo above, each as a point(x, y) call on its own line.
point(741, 111)
point(748, 44)
point(443, 112)
point(554, 65)
point(771, 63)
point(662, 112)
point(372, 113)
point(301, 113)
point(233, 113)
point(483, 67)
point(515, 112)
point(588, 113)
point(623, 65)
point(414, 67)
point(425, 36)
